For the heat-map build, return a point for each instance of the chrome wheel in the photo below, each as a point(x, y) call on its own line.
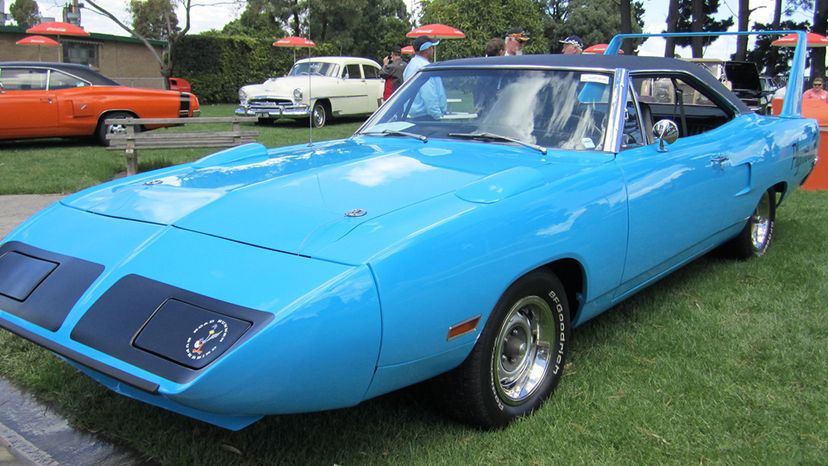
point(760, 223)
point(523, 349)
point(319, 116)
point(116, 129)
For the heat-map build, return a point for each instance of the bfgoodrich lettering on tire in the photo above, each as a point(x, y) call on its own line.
point(518, 359)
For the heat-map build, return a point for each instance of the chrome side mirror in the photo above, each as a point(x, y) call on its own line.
point(665, 132)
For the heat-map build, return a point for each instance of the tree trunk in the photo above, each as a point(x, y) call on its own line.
point(698, 26)
point(672, 21)
point(820, 27)
point(742, 41)
point(773, 53)
point(626, 26)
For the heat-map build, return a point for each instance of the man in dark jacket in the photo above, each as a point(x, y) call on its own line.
point(392, 71)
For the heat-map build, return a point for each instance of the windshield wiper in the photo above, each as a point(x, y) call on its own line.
point(393, 132)
point(498, 137)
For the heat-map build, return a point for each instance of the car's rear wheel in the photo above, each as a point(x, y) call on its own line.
point(518, 359)
point(755, 238)
point(103, 129)
point(319, 116)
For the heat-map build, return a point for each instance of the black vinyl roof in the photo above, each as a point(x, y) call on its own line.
point(82, 71)
point(609, 62)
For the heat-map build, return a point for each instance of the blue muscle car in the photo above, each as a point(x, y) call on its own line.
point(484, 211)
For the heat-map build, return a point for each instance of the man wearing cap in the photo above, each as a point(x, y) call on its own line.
point(572, 45)
point(392, 71)
point(515, 39)
point(431, 98)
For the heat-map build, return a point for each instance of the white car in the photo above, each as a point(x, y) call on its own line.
point(331, 86)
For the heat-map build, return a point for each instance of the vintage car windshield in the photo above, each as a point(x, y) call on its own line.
point(315, 68)
point(564, 109)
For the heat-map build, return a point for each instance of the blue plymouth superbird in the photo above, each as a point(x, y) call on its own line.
point(479, 215)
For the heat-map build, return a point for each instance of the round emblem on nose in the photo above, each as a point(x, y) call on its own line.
point(356, 213)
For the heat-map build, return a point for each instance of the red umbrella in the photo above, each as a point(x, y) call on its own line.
point(599, 49)
point(37, 40)
point(294, 41)
point(812, 39)
point(407, 50)
point(58, 28)
point(437, 31)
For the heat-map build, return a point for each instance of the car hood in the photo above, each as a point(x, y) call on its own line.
point(299, 199)
point(280, 86)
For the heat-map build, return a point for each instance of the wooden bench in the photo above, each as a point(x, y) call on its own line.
point(133, 140)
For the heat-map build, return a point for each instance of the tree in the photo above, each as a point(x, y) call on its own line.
point(820, 27)
point(704, 22)
point(744, 20)
point(773, 52)
point(153, 19)
point(625, 9)
point(165, 59)
point(766, 56)
point(25, 13)
point(594, 21)
point(672, 26)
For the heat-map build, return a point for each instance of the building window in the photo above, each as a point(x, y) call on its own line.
point(84, 53)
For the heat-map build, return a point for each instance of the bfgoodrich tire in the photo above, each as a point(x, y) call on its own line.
point(518, 359)
point(755, 238)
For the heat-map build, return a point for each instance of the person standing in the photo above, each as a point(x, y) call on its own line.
point(817, 90)
point(515, 40)
point(495, 47)
point(430, 101)
point(572, 45)
point(392, 71)
point(423, 54)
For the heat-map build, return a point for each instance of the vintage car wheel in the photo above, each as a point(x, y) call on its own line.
point(104, 129)
point(755, 239)
point(319, 116)
point(518, 359)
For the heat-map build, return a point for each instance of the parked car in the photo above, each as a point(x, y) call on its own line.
point(741, 77)
point(330, 86)
point(43, 100)
point(464, 244)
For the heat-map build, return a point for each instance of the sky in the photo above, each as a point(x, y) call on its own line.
point(213, 14)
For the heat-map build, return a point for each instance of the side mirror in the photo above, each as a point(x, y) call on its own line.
point(665, 132)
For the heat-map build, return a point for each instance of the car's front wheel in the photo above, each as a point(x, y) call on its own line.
point(319, 116)
point(755, 238)
point(518, 359)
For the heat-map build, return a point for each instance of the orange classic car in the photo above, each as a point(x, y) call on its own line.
point(39, 100)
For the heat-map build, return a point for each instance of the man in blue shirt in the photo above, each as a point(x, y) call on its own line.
point(431, 98)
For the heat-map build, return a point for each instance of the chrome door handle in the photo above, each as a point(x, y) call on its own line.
point(719, 161)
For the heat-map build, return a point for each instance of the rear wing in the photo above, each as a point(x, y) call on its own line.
point(792, 107)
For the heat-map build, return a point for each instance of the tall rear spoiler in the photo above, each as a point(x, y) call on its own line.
point(792, 107)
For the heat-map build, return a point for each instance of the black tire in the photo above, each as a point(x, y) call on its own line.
point(478, 391)
point(319, 116)
point(755, 238)
point(104, 129)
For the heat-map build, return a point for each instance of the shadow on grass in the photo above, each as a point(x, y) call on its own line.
point(50, 143)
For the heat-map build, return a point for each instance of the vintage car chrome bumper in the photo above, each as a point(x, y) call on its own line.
point(274, 111)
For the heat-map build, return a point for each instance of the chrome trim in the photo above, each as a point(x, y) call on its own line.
point(618, 105)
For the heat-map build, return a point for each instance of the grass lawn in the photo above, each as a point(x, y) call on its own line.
point(722, 362)
point(68, 165)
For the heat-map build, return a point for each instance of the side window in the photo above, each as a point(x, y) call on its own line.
point(370, 72)
point(352, 72)
point(633, 135)
point(23, 79)
point(690, 105)
point(58, 80)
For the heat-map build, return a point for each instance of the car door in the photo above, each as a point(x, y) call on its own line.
point(681, 199)
point(28, 108)
point(374, 85)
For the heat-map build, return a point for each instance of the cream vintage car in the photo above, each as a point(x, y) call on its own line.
point(331, 86)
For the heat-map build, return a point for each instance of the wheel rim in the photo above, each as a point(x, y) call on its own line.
point(760, 223)
point(523, 349)
point(318, 116)
point(116, 129)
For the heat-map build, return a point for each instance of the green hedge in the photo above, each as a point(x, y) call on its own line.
point(217, 66)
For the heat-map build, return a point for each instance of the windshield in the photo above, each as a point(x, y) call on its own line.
point(563, 109)
point(314, 68)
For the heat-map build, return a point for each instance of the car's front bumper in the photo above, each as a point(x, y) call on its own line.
point(276, 111)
